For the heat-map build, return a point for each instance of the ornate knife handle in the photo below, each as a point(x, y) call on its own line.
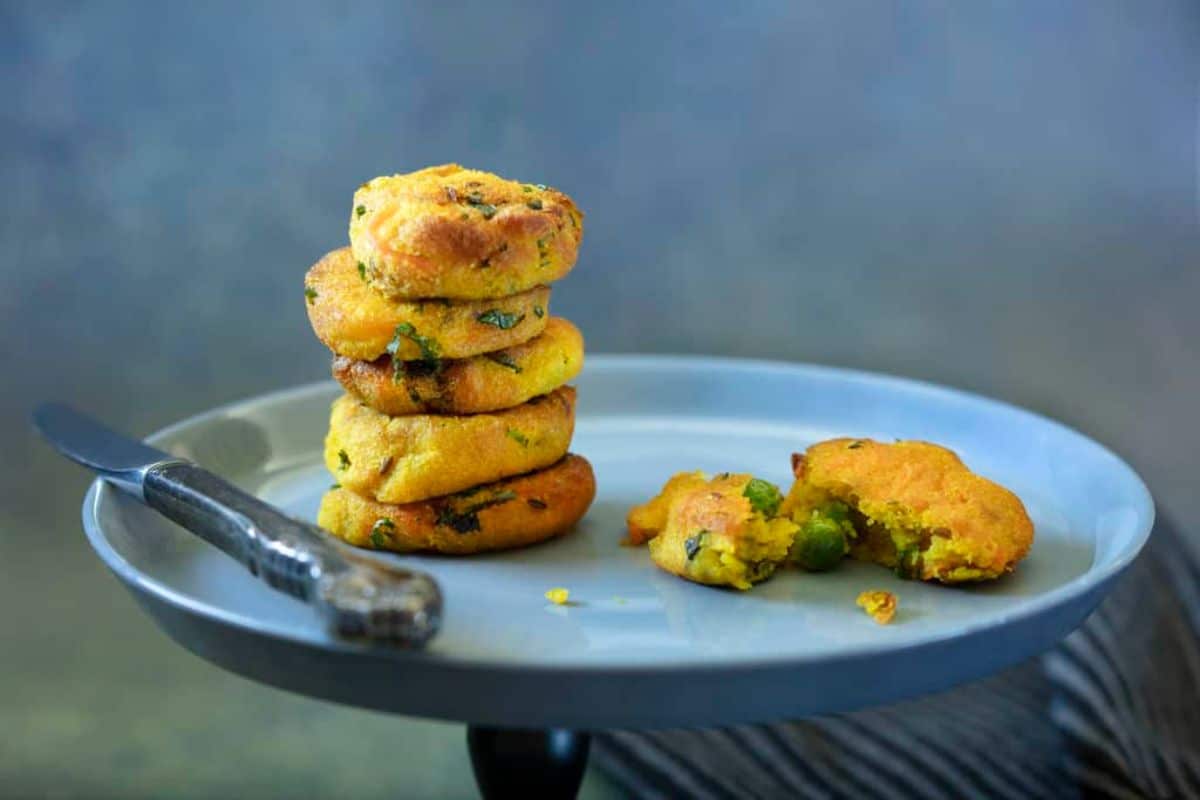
point(357, 596)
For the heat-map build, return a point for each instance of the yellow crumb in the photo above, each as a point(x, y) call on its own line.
point(558, 596)
point(880, 605)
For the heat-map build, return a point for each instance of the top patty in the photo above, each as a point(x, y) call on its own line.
point(451, 232)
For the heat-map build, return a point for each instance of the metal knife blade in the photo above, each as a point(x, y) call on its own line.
point(357, 597)
point(120, 460)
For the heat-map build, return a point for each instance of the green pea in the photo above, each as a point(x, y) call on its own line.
point(820, 543)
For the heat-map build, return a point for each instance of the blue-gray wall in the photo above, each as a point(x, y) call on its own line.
point(996, 196)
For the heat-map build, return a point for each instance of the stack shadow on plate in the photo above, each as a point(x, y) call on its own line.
point(453, 433)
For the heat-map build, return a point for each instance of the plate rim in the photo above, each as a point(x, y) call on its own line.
point(1062, 595)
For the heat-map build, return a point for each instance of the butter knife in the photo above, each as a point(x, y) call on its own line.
point(357, 596)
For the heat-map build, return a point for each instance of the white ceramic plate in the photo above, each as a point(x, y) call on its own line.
point(638, 647)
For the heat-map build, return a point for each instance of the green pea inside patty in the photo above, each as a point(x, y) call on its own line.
point(823, 538)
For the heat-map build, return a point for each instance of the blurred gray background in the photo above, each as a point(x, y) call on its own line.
point(1000, 197)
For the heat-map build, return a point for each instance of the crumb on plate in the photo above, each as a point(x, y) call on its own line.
point(558, 596)
point(879, 605)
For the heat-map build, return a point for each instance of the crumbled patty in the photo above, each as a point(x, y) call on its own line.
point(915, 507)
point(721, 532)
point(878, 605)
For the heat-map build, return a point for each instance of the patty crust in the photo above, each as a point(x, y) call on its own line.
point(447, 231)
point(404, 459)
point(487, 382)
point(354, 320)
point(514, 512)
point(646, 521)
point(915, 507)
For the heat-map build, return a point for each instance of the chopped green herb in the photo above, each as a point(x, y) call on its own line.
point(539, 312)
point(543, 246)
point(467, 520)
point(723, 476)
point(333, 486)
point(385, 464)
point(692, 544)
point(527, 188)
point(360, 210)
point(430, 351)
point(505, 360)
point(415, 396)
point(517, 437)
point(536, 205)
point(464, 215)
point(854, 445)
point(475, 199)
point(501, 319)
point(381, 532)
point(763, 495)
point(343, 460)
point(310, 294)
point(540, 505)
point(362, 270)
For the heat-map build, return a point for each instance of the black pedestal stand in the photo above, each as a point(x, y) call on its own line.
point(513, 762)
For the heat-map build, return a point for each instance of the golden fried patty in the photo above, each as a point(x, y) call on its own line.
point(452, 232)
point(721, 532)
point(353, 319)
point(510, 513)
point(488, 382)
point(915, 507)
point(404, 459)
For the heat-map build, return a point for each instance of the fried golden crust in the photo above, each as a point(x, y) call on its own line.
point(447, 231)
point(405, 459)
point(648, 520)
point(354, 320)
point(510, 513)
point(921, 510)
point(714, 536)
point(488, 382)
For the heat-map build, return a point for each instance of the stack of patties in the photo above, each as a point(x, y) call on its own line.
point(453, 432)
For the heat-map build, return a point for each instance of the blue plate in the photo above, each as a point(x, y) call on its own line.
point(637, 647)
